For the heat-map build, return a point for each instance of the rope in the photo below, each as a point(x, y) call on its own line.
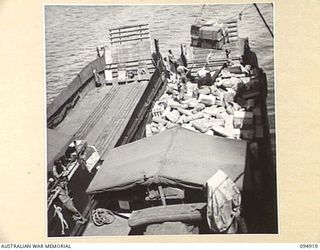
point(101, 216)
point(239, 14)
point(213, 12)
point(266, 24)
point(200, 13)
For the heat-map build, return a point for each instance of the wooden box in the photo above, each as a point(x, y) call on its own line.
point(195, 41)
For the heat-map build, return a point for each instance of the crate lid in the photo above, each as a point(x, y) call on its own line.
point(211, 28)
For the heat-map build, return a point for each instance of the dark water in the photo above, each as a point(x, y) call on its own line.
point(73, 33)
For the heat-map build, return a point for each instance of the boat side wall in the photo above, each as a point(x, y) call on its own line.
point(78, 88)
point(141, 111)
point(265, 186)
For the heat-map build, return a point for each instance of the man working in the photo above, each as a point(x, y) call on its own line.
point(59, 171)
point(61, 191)
point(183, 72)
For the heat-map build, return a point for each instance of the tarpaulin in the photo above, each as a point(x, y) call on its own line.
point(174, 157)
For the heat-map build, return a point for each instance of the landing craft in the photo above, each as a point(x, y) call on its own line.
point(200, 168)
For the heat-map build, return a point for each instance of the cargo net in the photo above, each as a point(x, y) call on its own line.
point(223, 102)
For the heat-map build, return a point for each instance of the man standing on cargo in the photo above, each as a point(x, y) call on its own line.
point(182, 72)
point(172, 60)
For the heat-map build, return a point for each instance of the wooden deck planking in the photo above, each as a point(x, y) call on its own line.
point(96, 114)
point(83, 110)
point(107, 131)
point(197, 56)
point(105, 125)
point(200, 54)
point(101, 116)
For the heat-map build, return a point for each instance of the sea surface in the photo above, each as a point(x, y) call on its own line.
point(72, 33)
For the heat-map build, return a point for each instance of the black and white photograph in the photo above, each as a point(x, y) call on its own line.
point(160, 119)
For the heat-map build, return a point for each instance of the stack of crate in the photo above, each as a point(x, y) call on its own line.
point(195, 33)
point(207, 35)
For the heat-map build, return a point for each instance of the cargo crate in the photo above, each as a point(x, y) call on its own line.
point(211, 33)
point(207, 44)
point(218, 44)
point(195, 41)
point(212, 44)
point(195, 29)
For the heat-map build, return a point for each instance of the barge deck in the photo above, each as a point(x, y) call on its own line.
point(103, 114)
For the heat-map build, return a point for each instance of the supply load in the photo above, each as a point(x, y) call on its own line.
point(223, 102)
point(209, 34)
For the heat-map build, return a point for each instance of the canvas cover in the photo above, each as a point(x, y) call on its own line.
point(224, 202)
point(57, 143)
point(174, 157)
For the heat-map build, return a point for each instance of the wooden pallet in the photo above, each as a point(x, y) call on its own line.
point(232, 26)
point(130, 33)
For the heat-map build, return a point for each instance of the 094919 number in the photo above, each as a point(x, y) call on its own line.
point(308, 245)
